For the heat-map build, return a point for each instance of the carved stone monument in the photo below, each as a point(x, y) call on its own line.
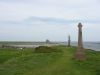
point(69, 41)
point(80, 50)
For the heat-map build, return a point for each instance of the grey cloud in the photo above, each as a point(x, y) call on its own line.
point(15, 0)
point(46, 20)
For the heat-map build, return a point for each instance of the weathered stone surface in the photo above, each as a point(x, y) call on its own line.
point(80, 55)
point(69, 41)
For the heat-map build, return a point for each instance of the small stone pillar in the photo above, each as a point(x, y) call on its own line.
point(69, 41)
point(80, 55)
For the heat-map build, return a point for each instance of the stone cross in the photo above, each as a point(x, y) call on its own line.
point(80, 41)
point(69, 41)
point(80, 50)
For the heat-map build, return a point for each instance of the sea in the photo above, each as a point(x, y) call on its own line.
point(87, 45)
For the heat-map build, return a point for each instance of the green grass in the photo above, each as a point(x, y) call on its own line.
point(28, 62)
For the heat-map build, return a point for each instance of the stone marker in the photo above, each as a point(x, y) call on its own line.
point(47, 41)
point(80, 50)
point(69, 41)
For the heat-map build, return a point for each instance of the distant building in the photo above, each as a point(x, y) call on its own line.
point(47, 41)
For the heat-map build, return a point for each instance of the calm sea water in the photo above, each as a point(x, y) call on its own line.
point(88, 45)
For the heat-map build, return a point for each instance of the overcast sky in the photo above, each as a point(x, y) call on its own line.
point(38, 20)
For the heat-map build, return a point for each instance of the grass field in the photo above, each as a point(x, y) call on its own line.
point(27, 62)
